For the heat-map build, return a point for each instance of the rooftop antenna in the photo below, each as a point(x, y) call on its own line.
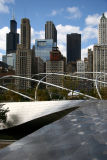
point(13, 14)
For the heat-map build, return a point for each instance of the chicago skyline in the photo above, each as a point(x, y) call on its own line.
point(68, 17)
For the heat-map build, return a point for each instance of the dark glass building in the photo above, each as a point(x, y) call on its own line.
point(12, 38)
point(50, 31)
point(73, 47)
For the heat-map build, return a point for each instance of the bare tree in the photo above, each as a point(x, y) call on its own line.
point(3, 113)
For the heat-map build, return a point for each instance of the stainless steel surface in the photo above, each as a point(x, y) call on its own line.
point(22, 112)
point(80, 135)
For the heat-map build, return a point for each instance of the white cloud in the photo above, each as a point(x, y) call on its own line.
point(89, 33)
point(84, 51)
point(74, 12)
point(68, 29)
point(1, 56)
point(40, 34)
point(62, 48)
point(4, 7)
point(92, 20)
point(56, 12)
point(3, 32)
point(36, 35)
point(105, 14)
point(62, 31)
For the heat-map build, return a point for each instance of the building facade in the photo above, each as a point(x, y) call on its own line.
point(100, 61)
point(55, 65)
point(81, 68)
point(50, 31)
point(90, 63)
point(73, 47)
point(12, 38)
point(100, 51)
point(71, 67)
point(24, 56)
point(40, 65)
point(102, 31)
point(43, 48)
point(11, 60)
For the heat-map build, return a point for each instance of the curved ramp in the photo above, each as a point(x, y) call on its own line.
point(80, 135)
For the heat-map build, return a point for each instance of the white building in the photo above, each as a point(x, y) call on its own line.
point(81, 68)
point(100, 60)
point(100, 50)
point(102, 33)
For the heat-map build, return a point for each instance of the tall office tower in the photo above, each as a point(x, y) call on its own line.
point(100, 51)
point(50, 31)
point(90, 63)
point(12, 38)
point(24, 55)
point(25, 33)
point(73, 47)
point(102, 37)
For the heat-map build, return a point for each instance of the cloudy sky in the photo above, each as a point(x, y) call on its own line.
point(69, 16)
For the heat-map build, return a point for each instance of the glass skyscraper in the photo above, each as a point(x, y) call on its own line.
point(73, 47)
point(12, 38)
point(43, 48)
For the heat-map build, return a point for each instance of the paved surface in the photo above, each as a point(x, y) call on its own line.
point(80, 135)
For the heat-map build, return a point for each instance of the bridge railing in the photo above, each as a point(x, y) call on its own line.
point(96, 81)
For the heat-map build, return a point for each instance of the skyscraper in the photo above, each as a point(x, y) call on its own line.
point(43, 48)
point(90, 63)
point(100, 50)
point(24, 55)
point(25, 33)
point(12, 38)
point(73, 47)
point(50, 31)
point(102, 36)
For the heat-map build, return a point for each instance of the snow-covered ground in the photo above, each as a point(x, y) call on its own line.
point(21, 112)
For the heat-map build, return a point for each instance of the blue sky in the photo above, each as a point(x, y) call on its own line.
point(69, 16)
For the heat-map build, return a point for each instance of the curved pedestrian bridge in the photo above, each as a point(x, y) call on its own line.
point(80, 134)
